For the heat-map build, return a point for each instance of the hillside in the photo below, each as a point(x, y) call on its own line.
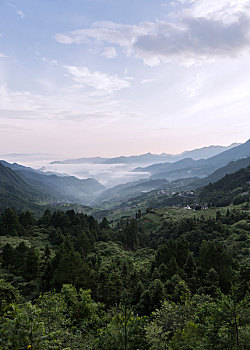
point(221, 172)
point(130, 189)
point(61, 188)
point(15, 192)
point(170, 276)
point(196, 168)
point(232, 188)
point(182, 192)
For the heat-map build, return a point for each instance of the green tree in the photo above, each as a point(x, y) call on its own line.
point(9, 224)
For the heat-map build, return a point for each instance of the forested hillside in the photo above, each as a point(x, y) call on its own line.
point(15, 192)
point(36, 187)
point(233, 188)
point(164, 279)
point(196, 168)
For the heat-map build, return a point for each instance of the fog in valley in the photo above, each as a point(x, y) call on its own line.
point(107, 174)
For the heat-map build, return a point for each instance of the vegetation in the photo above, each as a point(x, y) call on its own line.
point(164, 278)
point(158, 281)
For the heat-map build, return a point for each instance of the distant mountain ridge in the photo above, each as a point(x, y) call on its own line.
point(230, 168)
point(131, 190)
point(196, 168)
point(149, 158)
point(15, 192)
point(125, 191)
point(61, 188)
point(232, 188)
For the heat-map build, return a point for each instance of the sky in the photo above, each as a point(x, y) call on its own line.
point(111, 77)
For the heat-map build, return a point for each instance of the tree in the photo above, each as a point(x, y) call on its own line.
point(124, 330)
point(7, 256)
point(9, 224)
point(31, 264)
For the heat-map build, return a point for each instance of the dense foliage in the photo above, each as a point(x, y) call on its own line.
point(232, 188)
point(70, 282)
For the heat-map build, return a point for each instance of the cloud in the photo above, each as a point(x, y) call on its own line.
point(197, 30)
point(196, 38)
point(227, 11)
point(147, 81)
point(108, 31)
point(67, 103)
point(2, 55)
point(18, 12)
point(21, 14)
point(96, 80)
point(109, 52)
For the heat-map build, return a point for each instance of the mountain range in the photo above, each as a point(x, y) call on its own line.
point(149, 158)
point(53, 187)
point(19, 184)
point(196, 168)
point(185, 174)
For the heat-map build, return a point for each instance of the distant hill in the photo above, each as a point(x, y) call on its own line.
point(233, 188)
point(221, 172)
point(93, 160)
point(129, 190)
point(15, 192)
point(134, 189)
point(167, 167)
point(61, 188)
point(159, 196)
point(149, 158)
point(207, 152)
point(196, 168)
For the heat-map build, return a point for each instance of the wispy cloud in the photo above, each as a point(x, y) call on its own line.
point(109, 52)
point(147, 81)
point(2, 55)
point(97, 80)
point(18, 12)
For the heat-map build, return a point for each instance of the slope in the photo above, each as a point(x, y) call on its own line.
point(233, 188)
point(61, 188)
point(197, 168)
point(15, 192)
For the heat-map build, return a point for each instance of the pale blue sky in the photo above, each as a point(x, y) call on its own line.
point(109, 77)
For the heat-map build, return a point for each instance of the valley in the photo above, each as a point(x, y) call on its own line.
point(81, 264)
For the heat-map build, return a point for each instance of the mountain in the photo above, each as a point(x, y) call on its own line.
point(196, 168)
point(232, 188)
point(61, 188)
point(149, 158)
point(235, 153)
point(129, 190)
point(93, 160)
point(15, 192)
point(221, 172)
point(163, 167)
point(207, 152)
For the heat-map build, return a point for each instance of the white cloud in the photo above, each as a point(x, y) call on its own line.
point(147, 81)
point(2, 55)
point(107, 31)
point(109, 52)
point(20, 14)
point(198, 38)
point(201, 29)
point(65, 103)
point(97, 80)
point(227, 11)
